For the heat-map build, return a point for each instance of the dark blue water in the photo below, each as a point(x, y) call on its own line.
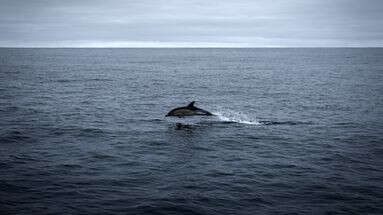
point(296, 131)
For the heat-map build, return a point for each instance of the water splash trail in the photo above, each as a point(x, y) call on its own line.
point(237, 117)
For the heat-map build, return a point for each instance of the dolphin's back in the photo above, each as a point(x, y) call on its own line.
point(189, 110)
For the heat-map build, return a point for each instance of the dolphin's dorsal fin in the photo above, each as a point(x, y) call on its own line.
point(191, 104)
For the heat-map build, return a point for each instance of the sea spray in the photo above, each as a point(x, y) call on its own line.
point(227, 115)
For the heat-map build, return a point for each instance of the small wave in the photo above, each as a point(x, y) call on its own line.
point(64, 80)
point(236, 117)
point(79, 131)
point(83, 80)
point(266, 122)
point(16, 137)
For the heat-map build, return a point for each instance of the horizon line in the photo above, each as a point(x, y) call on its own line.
point(180, 47)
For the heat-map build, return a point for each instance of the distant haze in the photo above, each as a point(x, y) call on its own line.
point(191, 23)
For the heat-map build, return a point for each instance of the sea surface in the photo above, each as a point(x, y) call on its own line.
point(295, 131)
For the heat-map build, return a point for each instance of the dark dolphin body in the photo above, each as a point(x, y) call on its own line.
point(189, 110)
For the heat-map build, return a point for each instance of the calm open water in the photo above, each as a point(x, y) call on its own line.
point(297, 131)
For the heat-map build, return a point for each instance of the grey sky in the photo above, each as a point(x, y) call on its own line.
point(191, 23)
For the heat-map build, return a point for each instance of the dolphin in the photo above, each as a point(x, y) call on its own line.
point(189, 110)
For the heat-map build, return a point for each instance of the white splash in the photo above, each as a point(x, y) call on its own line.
point(238, 117)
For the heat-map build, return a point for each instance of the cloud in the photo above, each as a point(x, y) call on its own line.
point(242, 23)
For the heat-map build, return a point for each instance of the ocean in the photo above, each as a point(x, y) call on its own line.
point(295, 131)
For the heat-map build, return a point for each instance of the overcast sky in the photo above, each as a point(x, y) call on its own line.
point(191, 23)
